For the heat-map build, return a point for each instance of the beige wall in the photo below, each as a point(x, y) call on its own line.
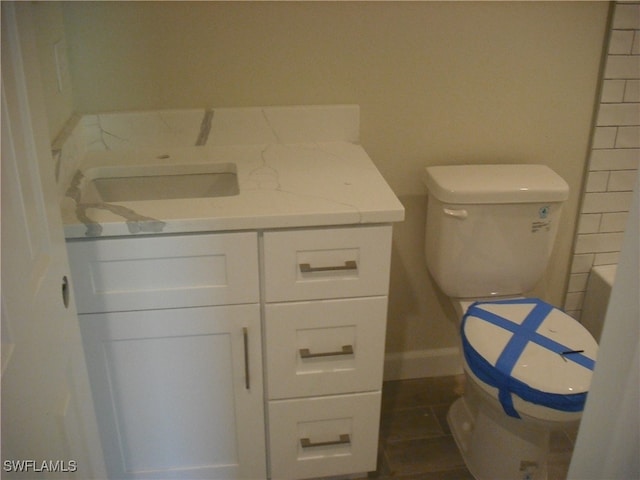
point(437, 83)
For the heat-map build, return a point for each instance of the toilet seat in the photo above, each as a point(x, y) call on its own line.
point(527, 347)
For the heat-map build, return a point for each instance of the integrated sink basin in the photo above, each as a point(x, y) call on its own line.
point(160, 182)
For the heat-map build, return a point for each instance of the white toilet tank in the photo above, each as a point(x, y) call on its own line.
point(490, 228)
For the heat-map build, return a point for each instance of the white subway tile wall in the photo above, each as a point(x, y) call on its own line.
point(614, 159)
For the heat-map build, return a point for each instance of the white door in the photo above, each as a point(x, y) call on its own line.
point(48, 424)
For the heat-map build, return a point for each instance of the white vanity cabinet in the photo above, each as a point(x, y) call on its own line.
point(172, 335)
point(181, 331)
point(325, 320)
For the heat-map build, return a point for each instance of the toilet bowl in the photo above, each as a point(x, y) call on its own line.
point(528, 367)
point(528, 349)
point(490, 231)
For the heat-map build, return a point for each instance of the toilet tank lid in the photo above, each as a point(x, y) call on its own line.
point(482, 184)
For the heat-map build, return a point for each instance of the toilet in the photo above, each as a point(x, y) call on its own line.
point(490, 231)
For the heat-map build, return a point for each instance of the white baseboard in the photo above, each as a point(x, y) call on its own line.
point(437, 362)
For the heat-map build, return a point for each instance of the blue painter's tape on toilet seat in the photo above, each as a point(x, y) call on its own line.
point(501, 375)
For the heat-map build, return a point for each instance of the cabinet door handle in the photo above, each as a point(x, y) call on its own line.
point(245, 334)
point(348, 265)
point(346, 350)
point(345, 439)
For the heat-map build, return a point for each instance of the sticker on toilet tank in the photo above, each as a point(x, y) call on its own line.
point(544, 223)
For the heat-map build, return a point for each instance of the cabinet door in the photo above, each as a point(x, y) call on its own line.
point(178, 392)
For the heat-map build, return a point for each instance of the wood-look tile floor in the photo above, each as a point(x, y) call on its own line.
point(415, 440)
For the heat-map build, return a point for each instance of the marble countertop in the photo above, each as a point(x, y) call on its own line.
point(281, 186)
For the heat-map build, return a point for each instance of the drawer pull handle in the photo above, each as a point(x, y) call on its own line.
point(345, 439)
point(348, 265)
point(346, 350)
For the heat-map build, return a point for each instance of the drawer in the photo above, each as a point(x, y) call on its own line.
point(322, 436)
point(139, 273)
point(325, 347)
point(327, 263)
